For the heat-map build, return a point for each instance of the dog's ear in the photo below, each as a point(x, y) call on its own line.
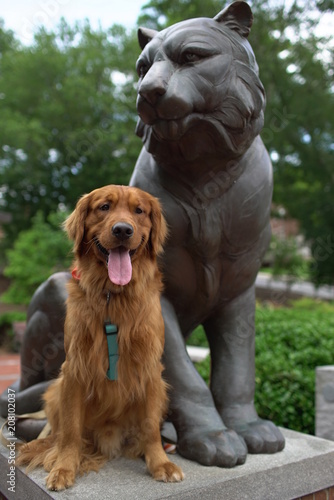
point(159, 227)
point(74, 225)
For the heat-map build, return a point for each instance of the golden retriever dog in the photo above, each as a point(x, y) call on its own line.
point(106, 404)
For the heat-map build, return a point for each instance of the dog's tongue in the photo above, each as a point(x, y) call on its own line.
point(119, 266)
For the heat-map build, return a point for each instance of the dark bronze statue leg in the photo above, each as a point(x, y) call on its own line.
point(202, 436)
point(42, 353)
point(231, 334)
point(31, 398)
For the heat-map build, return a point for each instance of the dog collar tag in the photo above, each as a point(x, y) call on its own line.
point(111, 330)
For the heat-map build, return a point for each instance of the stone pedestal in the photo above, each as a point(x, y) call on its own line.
point(324, 421)
point(305, 467)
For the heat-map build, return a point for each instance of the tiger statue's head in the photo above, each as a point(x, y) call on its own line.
point(199, 93)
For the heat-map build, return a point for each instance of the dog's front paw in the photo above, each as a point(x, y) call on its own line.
point(60, 479)
point(168, 473)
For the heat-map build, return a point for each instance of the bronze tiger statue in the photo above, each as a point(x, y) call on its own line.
point(200, 105)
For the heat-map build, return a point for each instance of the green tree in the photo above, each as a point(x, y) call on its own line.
point(296, 67)
point(158, 14)
point(67, 122)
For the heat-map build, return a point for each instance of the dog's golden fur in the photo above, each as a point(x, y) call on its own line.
point(93, 418)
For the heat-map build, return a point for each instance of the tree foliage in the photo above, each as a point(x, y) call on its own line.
point(297, 71)
point(67, 123)
point(68, 113)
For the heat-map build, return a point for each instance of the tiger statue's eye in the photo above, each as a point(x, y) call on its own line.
point(142, 68)
point(189, 57)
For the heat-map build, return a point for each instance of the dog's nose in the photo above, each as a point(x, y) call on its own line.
point(122, 231)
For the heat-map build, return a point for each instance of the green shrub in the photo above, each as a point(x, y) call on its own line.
point(316, 305)
point(290, 344)
point(287, 259)
point(37, 253)
point(198, 338)
point(7, 319)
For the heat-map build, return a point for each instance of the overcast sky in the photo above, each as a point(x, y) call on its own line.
point(24, 16)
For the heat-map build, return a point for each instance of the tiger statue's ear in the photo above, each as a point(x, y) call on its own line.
point(145, 35)
point(238, 17)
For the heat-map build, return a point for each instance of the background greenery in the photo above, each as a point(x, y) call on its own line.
point(67, 106)
point(39, 251)
point(8, 342)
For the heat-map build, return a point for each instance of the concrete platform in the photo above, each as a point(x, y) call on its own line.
point(324, 415)
point(304, 467)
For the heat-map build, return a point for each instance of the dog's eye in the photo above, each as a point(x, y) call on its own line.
point(104, 207)
point(138, 210)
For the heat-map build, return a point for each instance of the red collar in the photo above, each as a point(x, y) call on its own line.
point(75, 274)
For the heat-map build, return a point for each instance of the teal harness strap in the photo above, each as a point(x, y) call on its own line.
point(111, 330)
